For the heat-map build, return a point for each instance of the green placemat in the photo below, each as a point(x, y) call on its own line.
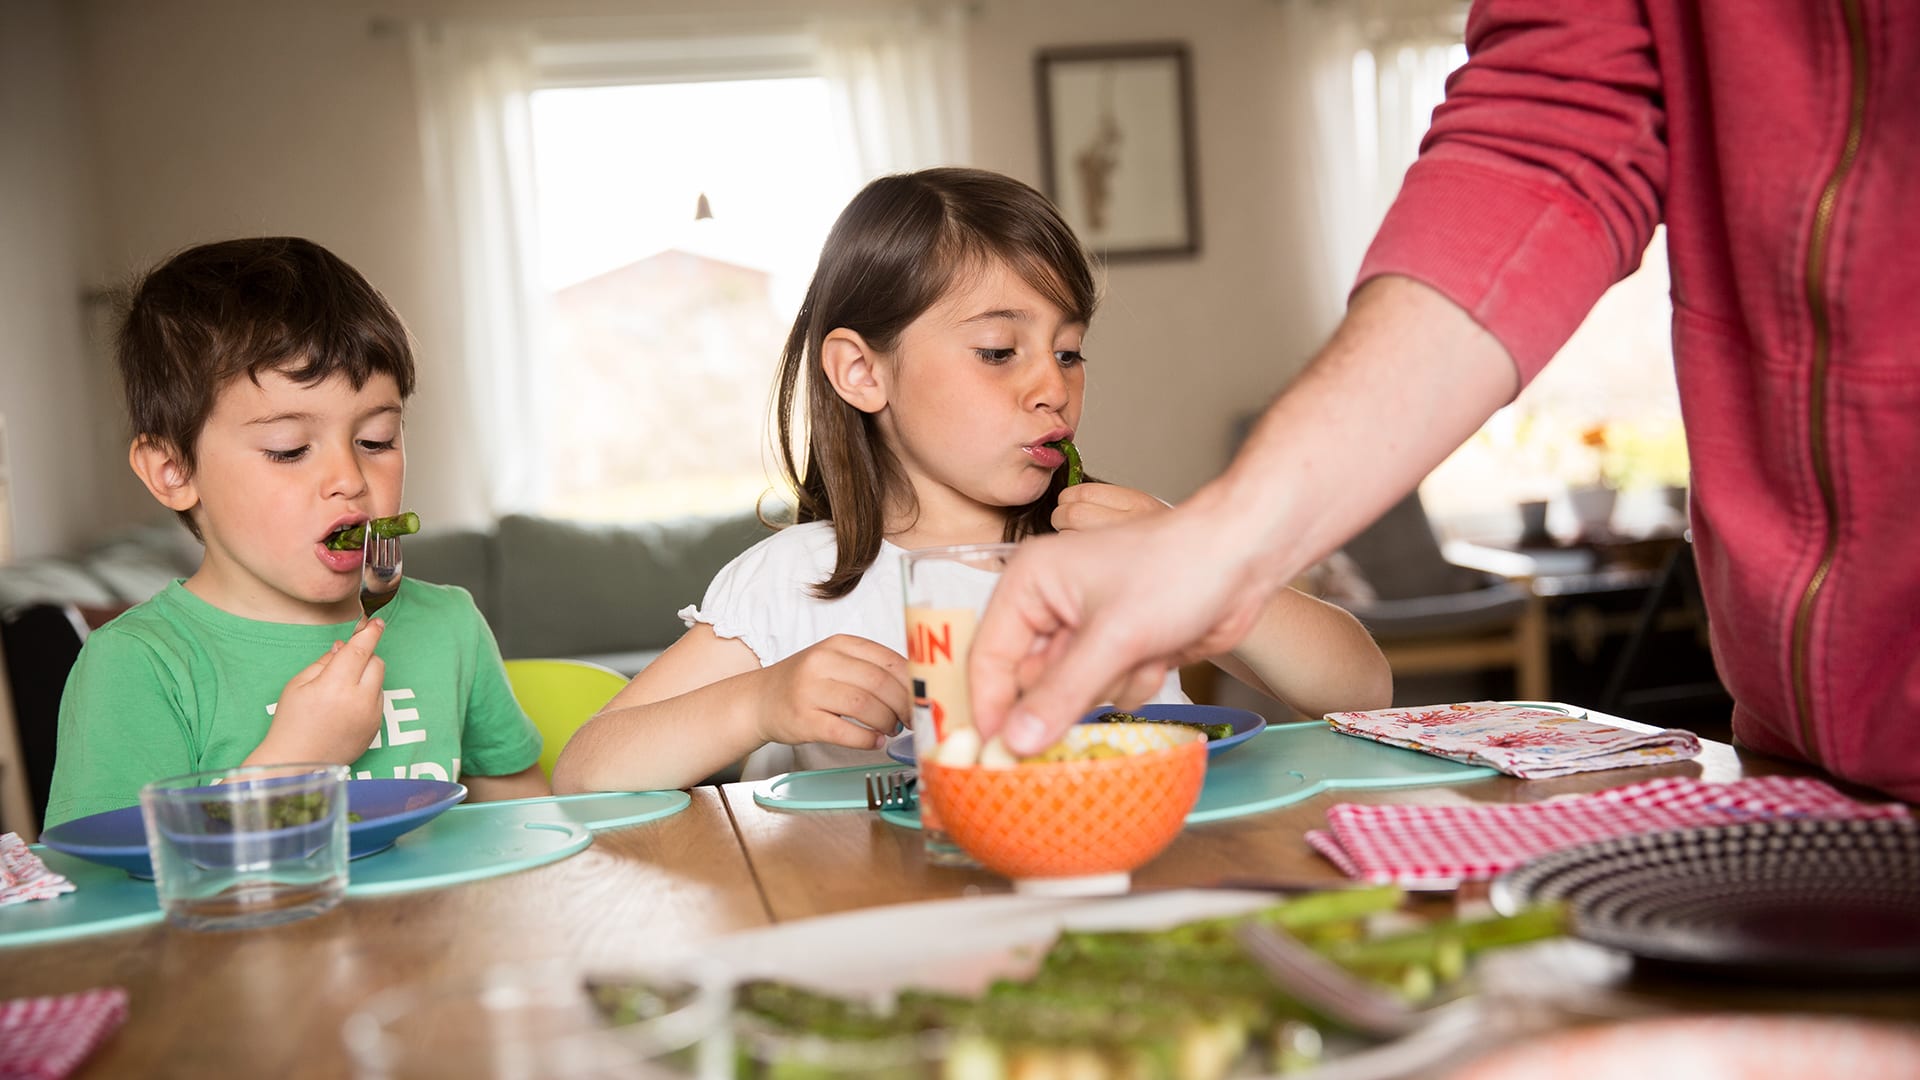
point(1290, 762)
point(467, 843)
point(820, 789)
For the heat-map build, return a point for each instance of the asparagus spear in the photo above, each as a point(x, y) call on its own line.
point(1065, 446)
point(354, 537)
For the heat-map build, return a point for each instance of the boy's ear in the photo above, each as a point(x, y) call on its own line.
point(158, 465)
point(854, 370)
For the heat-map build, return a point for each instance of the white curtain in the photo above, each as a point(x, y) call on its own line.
point(474, 84)
point(1373, 72)
point(899, 88)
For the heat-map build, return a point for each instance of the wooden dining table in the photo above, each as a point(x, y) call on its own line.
point(272, 1001)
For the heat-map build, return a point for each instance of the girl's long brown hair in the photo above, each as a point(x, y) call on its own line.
point(896, 249)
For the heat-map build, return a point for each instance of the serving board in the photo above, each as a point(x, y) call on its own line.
point(467, 843)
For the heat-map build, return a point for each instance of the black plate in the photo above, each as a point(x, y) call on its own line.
point(1792, 897)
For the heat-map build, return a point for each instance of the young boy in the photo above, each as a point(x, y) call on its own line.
point(265, 379)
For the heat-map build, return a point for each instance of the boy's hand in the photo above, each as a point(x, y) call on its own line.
point(809, 694)
point(1096, 506)
point(331, 710)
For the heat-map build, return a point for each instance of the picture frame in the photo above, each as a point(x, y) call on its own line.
point(1117, 146)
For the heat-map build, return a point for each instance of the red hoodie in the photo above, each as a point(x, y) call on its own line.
point(1775, 139)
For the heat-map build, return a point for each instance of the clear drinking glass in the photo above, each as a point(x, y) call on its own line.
point(946, 592)
point(544, 1021)
point(251, 846)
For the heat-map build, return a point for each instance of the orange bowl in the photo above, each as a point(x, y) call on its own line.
point(1074, 819)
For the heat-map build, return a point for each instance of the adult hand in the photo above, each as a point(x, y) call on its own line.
point(1102, 615)
point(1096, 506)
point(809, 695)
point(333, 708)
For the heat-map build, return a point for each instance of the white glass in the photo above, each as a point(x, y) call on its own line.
point(246, 847)
point(947, 589)
point(542, 1022)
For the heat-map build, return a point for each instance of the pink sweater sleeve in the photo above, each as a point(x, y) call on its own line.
point(1541, 180)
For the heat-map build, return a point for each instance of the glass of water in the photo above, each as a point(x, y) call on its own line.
point(250, 846)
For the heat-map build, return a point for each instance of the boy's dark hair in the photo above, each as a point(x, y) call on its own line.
point(896, 249)
point(218, 311)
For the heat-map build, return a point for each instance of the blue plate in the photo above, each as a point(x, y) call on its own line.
point(388, 809)
point(1246, 725)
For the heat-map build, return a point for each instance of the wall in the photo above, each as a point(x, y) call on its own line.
point(64, 446)
point(221, 117)
point(1181, 346)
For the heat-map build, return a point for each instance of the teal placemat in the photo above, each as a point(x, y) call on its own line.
point(820, 789)
point(467, 843)
point(1290, 762)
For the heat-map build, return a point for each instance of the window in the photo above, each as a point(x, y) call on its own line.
point(663, 326)
point(1606, 410)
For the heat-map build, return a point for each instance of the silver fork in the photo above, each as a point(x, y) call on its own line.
point(891, 790)
point(379, 572)
point(1326, 986)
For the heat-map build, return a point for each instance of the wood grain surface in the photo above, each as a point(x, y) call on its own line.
point(271, 1002)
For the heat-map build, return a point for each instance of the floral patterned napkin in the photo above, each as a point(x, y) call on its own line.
point(1519, 740)
point(23, 876)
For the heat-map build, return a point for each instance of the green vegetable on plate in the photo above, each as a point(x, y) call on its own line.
point(1212, 731)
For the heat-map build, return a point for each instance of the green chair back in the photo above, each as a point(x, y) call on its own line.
point(559, 696)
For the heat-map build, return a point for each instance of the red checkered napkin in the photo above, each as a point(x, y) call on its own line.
point(1425, 845)
point(46, 1038)
point(23, 876)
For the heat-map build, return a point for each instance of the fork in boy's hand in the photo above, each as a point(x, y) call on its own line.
point(379, 572)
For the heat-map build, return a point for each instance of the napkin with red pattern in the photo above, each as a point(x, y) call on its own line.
point(1531, 743)
point(1429, 845)
point(46, 1038)
point(23, 876)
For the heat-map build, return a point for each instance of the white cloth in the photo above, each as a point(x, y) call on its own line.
point(898, 84)
point(762, 599)
point(474, 83)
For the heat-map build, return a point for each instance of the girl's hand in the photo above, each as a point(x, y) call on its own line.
point(332, 709)
point(1096, 506)
point(809, 694)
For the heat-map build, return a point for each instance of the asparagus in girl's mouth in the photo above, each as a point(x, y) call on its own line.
point(1065, 446)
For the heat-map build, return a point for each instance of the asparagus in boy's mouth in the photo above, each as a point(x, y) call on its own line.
point(353, 537)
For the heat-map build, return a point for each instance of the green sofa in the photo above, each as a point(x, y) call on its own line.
point(605, 593)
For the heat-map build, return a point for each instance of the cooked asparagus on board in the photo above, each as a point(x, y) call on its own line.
point(1185, 1003)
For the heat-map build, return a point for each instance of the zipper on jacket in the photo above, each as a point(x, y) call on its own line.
point(1817, 252)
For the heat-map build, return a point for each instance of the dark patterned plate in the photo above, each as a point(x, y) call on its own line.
point(1791, 897)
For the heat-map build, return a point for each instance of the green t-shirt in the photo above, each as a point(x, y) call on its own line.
point(176, 685)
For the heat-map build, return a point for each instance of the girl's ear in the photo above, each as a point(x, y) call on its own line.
point(158, 466)
point(854, 370)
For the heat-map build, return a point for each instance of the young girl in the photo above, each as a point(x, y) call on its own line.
point(935, 356)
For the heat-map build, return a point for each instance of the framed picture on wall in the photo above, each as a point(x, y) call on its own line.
point(1116, 146)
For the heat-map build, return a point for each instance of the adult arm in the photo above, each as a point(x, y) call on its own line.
point(1312, 655)
point(1538, 186)
point(1407, 377)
